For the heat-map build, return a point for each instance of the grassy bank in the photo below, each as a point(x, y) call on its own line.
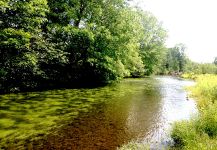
point(200, 132)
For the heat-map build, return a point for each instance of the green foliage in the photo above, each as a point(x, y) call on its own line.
point(208, 68)
point(215, 61)
point(188, 135)
point(175, 60)
point(192, 76)
point(16, 56)
point(183, 132)
point(152, 47)
point(21, 23)
point(13, 43)
point(203, 68)
point(206, 90)
point(26, 15)
point(200, 132)
point(208, 121)
point(47, 43)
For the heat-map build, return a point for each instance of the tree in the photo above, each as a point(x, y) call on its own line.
point(181, 58)
point(152, 42)
point(52, 43)
point(26, 15)
point(215, 61)
point(21, 23)
point(175, 59)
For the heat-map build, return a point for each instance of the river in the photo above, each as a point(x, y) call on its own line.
point(140, 110)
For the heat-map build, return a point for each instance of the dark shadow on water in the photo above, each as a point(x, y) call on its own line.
point(61, 86)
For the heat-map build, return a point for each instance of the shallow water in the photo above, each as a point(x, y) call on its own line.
point(99, 118)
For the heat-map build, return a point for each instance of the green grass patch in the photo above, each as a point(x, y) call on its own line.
point(201, 132)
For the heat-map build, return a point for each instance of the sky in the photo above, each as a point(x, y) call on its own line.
point(191, 22)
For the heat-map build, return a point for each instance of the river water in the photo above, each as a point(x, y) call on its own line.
point(140, 110)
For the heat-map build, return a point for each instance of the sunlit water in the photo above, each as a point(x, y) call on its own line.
point(175, 105)
point(100, 118)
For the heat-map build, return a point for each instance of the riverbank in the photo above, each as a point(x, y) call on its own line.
point(200, 132)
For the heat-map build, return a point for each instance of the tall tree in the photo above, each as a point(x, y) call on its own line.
point(152, 42)
point(215, 61)
point(175, 59)
point(59, 42)
point(21, 23)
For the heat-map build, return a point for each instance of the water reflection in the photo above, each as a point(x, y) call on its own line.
point(175, 105)
point(100, 118)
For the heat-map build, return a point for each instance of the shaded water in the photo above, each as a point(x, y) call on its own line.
point(99, 118)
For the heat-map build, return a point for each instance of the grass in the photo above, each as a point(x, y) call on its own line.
point(201, 132)
point(189, 76)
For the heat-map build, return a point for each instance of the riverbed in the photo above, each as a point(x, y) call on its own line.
point(140, 110)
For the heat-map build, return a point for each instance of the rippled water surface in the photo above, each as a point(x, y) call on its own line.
point(99, 118)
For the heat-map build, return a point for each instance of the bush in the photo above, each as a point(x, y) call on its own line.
point(208, 121)
point(183, 132)
point(206, 90)
point(197, 133)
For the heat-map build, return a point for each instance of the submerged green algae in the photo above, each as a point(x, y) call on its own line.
point(28, 116)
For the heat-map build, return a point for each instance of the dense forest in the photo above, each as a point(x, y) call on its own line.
point(47, 44)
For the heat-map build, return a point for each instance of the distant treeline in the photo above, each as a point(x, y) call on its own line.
point(59, 43)
point(176, 62)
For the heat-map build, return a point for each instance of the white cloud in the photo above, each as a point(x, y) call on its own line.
point(192, 22)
